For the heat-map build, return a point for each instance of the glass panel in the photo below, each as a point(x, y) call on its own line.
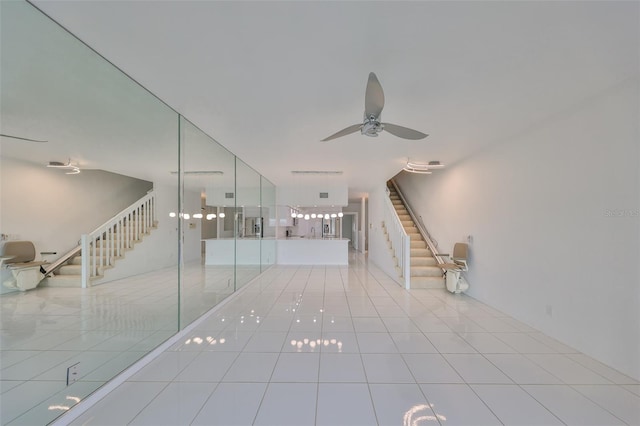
point(104, 129)
point(269, 216)
point(206, 221)
point(249, 223)
point(170, 222)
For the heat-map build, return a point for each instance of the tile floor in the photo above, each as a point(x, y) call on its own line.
point(348, 346)
point(105, 328)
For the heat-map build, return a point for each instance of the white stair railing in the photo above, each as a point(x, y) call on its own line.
point(107, 242)
point(400, 240)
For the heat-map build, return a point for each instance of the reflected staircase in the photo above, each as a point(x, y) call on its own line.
point(103, 247)
point(424, 269)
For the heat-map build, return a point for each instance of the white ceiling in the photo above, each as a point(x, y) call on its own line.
point(269, 80)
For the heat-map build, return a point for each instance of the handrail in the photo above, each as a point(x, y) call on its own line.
point(52, 266)
point(420, 225)
point(107, 242)
point(400, 240)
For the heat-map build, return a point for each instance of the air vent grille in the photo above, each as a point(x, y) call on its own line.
point(316, 172)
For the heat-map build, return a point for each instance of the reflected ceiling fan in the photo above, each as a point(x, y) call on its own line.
point(373, 104)
point(22, 139)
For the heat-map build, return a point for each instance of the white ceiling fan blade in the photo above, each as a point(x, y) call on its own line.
point(373, 98)
point(403, 132)
point(22, 139)
point(344, 132)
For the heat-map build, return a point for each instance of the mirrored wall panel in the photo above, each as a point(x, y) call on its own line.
point(248, 223)
point(268, 214)
point(120, 221)
point(80, 198)
point(207, 176)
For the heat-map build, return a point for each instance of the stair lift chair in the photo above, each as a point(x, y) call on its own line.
point(18, 257)
point(455, 282)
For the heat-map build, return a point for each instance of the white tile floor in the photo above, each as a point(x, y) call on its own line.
point(348, 346)
point(105, 328)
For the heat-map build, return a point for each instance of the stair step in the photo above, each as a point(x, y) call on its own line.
point(66, 270)
point(74, 281)
point(78, 259)
point(418, 244)
point(426, 271)
point(427, 282)
point(69, 270)
point(423, 261)
point(420, 252)
point(105, 250)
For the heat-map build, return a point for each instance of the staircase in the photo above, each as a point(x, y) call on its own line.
point(104, 246)
point(425, 272)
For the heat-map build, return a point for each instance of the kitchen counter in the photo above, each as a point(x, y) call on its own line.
point(312, 251)
point(223, 251)
point(288, 251)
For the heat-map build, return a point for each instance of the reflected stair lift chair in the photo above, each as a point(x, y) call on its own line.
point(18, 257)
point(455, 282)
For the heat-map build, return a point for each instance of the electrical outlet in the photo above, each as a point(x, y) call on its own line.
point(73, 373)
point(549, 310)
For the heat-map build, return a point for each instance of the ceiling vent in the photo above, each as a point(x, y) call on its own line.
point(200, 172)
point(316, 172)
point(324, 195)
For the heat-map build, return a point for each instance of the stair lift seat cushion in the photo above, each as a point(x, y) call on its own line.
point(459, 257)
point(18, 253)
point(19, 258)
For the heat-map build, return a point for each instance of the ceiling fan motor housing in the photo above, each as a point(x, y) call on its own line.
point(371, 127)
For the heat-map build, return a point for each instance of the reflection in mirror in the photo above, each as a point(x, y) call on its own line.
point(106, 126)
point(268, 213)
point(207, 173)
point(249, 223)
point(135, 243)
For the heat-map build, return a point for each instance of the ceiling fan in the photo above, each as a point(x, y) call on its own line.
point(371, 126)
point(22, 139)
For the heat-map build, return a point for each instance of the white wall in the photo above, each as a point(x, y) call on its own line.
point(309, 196)
point(379, 252)
point(554, 215)
point(53, 209)
point(362, 233)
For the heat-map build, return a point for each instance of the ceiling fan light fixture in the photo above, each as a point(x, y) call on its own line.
point(371, 125)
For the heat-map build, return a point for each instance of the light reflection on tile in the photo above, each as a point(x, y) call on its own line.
point(389, 355)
